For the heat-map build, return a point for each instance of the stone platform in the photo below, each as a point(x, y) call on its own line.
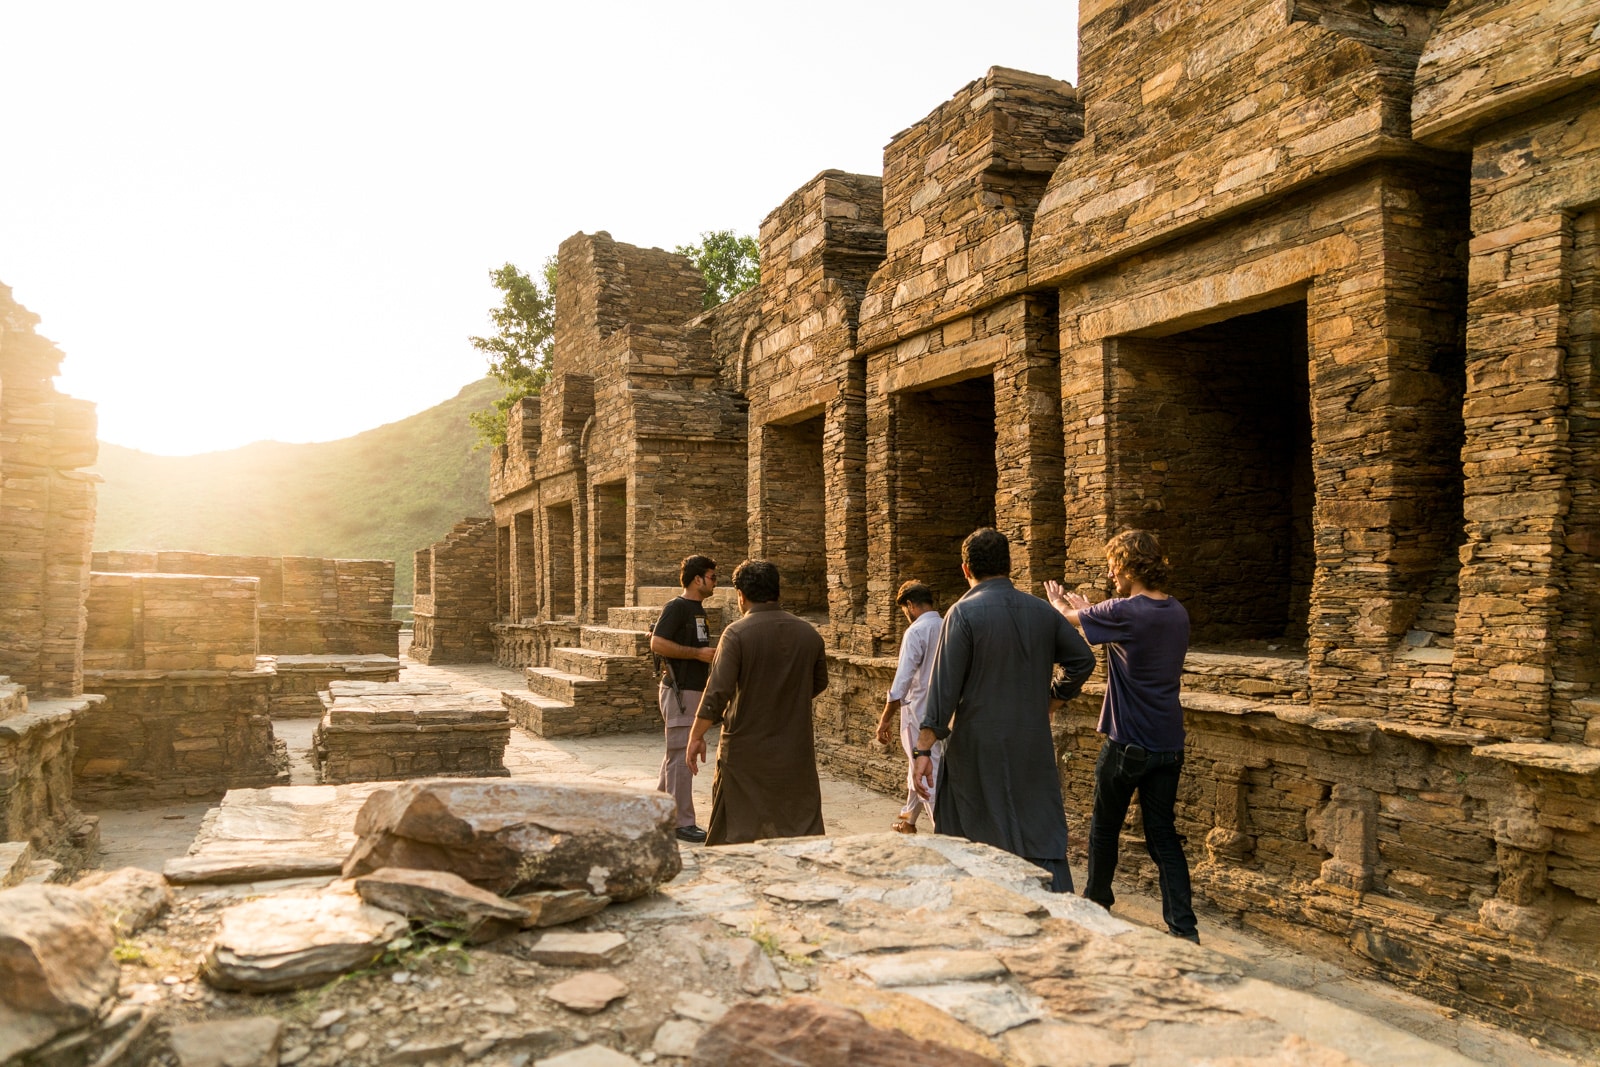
point(373, 731)
point(168, 735)
point(295, 693)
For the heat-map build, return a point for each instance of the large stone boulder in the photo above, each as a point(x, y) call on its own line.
point(297, 939)
point(56, 968)
point(520, 836)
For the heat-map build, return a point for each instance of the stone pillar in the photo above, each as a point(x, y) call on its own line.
point(1346, 828)
point(1516, 459)
point(1521, 903)
point(1227, 843)
point(1028, 449)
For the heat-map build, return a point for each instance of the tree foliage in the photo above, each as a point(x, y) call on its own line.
point(519, 350)
point(729, 262)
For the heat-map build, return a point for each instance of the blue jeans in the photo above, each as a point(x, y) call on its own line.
point(1118, 773)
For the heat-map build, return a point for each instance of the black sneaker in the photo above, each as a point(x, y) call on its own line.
point(692, 834)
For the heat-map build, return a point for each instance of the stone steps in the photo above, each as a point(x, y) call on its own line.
point(560, 685)
point(603, 666)
point(616, 640)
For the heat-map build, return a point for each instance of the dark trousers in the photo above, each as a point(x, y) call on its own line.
point(1118, 773)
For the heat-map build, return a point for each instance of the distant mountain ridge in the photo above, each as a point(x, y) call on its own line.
point(381, 494)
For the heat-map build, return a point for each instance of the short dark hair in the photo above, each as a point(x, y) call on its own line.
point(694, 567)
point(987, 553)
point(914, 592)
point(1138, 554)
point(757, 580)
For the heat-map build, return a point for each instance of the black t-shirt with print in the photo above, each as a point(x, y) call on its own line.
point(683, 621)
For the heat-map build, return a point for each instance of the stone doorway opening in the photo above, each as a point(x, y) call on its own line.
point(524, 568)
point(945, 476)
point(563, 574)
point(796, 506)
point(502, 589)
point(611, 547)
point(1210, 442)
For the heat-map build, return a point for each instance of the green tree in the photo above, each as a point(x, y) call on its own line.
point(519, 351)
point(730, 263)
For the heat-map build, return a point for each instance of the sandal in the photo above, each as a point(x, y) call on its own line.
point(903, 825)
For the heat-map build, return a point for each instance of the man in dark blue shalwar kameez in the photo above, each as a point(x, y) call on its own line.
point(992, 672)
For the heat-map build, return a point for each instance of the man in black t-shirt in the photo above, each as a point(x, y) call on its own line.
point(683, 641)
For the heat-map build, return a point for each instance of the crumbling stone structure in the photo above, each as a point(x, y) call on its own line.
point(46, 522)
point(307, 606)
point(1308, 288)
point(186, 708)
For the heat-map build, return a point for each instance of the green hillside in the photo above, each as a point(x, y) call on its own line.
point(381, 494)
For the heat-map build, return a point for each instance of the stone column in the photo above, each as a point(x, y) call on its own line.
point(1028, 444)
point(1516, 458)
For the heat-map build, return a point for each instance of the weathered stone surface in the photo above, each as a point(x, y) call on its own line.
point(578, 950)
point(409, 729)
point(280, 832)
point(676, 1037)
point(552, 907)
point(297, 939)
point(511, 837)
point(307, 606)
point(129, 896)
point(588, 992)
point(802, 1030)
point(589, 1056)
point(228, 1043)
point(55, 965)
point(442, 900)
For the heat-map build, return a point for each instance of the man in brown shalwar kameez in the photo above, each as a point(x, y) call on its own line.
point(769, 665)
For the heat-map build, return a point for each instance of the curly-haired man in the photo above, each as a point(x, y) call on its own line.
point(1147, 634)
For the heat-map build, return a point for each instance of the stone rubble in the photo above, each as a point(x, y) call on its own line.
point(298, 939)
point(442, 901)
point(228, 1043)
point(516, 836)
point(56, 971)
point(130, 897)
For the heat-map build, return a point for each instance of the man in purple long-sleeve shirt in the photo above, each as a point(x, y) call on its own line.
point(1147, 636)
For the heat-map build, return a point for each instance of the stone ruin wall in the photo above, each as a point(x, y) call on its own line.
point(308, 606)
point(1309, 288)
point(47, 512)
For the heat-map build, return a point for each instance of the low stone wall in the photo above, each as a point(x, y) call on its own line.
point(528, 644)
point(308, 605)
point(36, 747)
point(846, 723)
point(176, 735)
point(375, 731)
point(296, 690)
point(1419, 854)
point(170, 622)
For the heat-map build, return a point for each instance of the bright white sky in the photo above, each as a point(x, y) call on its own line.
point(277, 221)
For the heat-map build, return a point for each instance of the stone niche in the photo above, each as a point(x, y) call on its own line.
point(186, 708)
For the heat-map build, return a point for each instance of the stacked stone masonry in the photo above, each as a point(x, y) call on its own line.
point(186, 708)
point(47, 508)
point(307, 606)
point(378, 731)
point(1312, 289)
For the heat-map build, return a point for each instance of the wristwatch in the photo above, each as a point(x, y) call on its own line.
point(922, 752)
